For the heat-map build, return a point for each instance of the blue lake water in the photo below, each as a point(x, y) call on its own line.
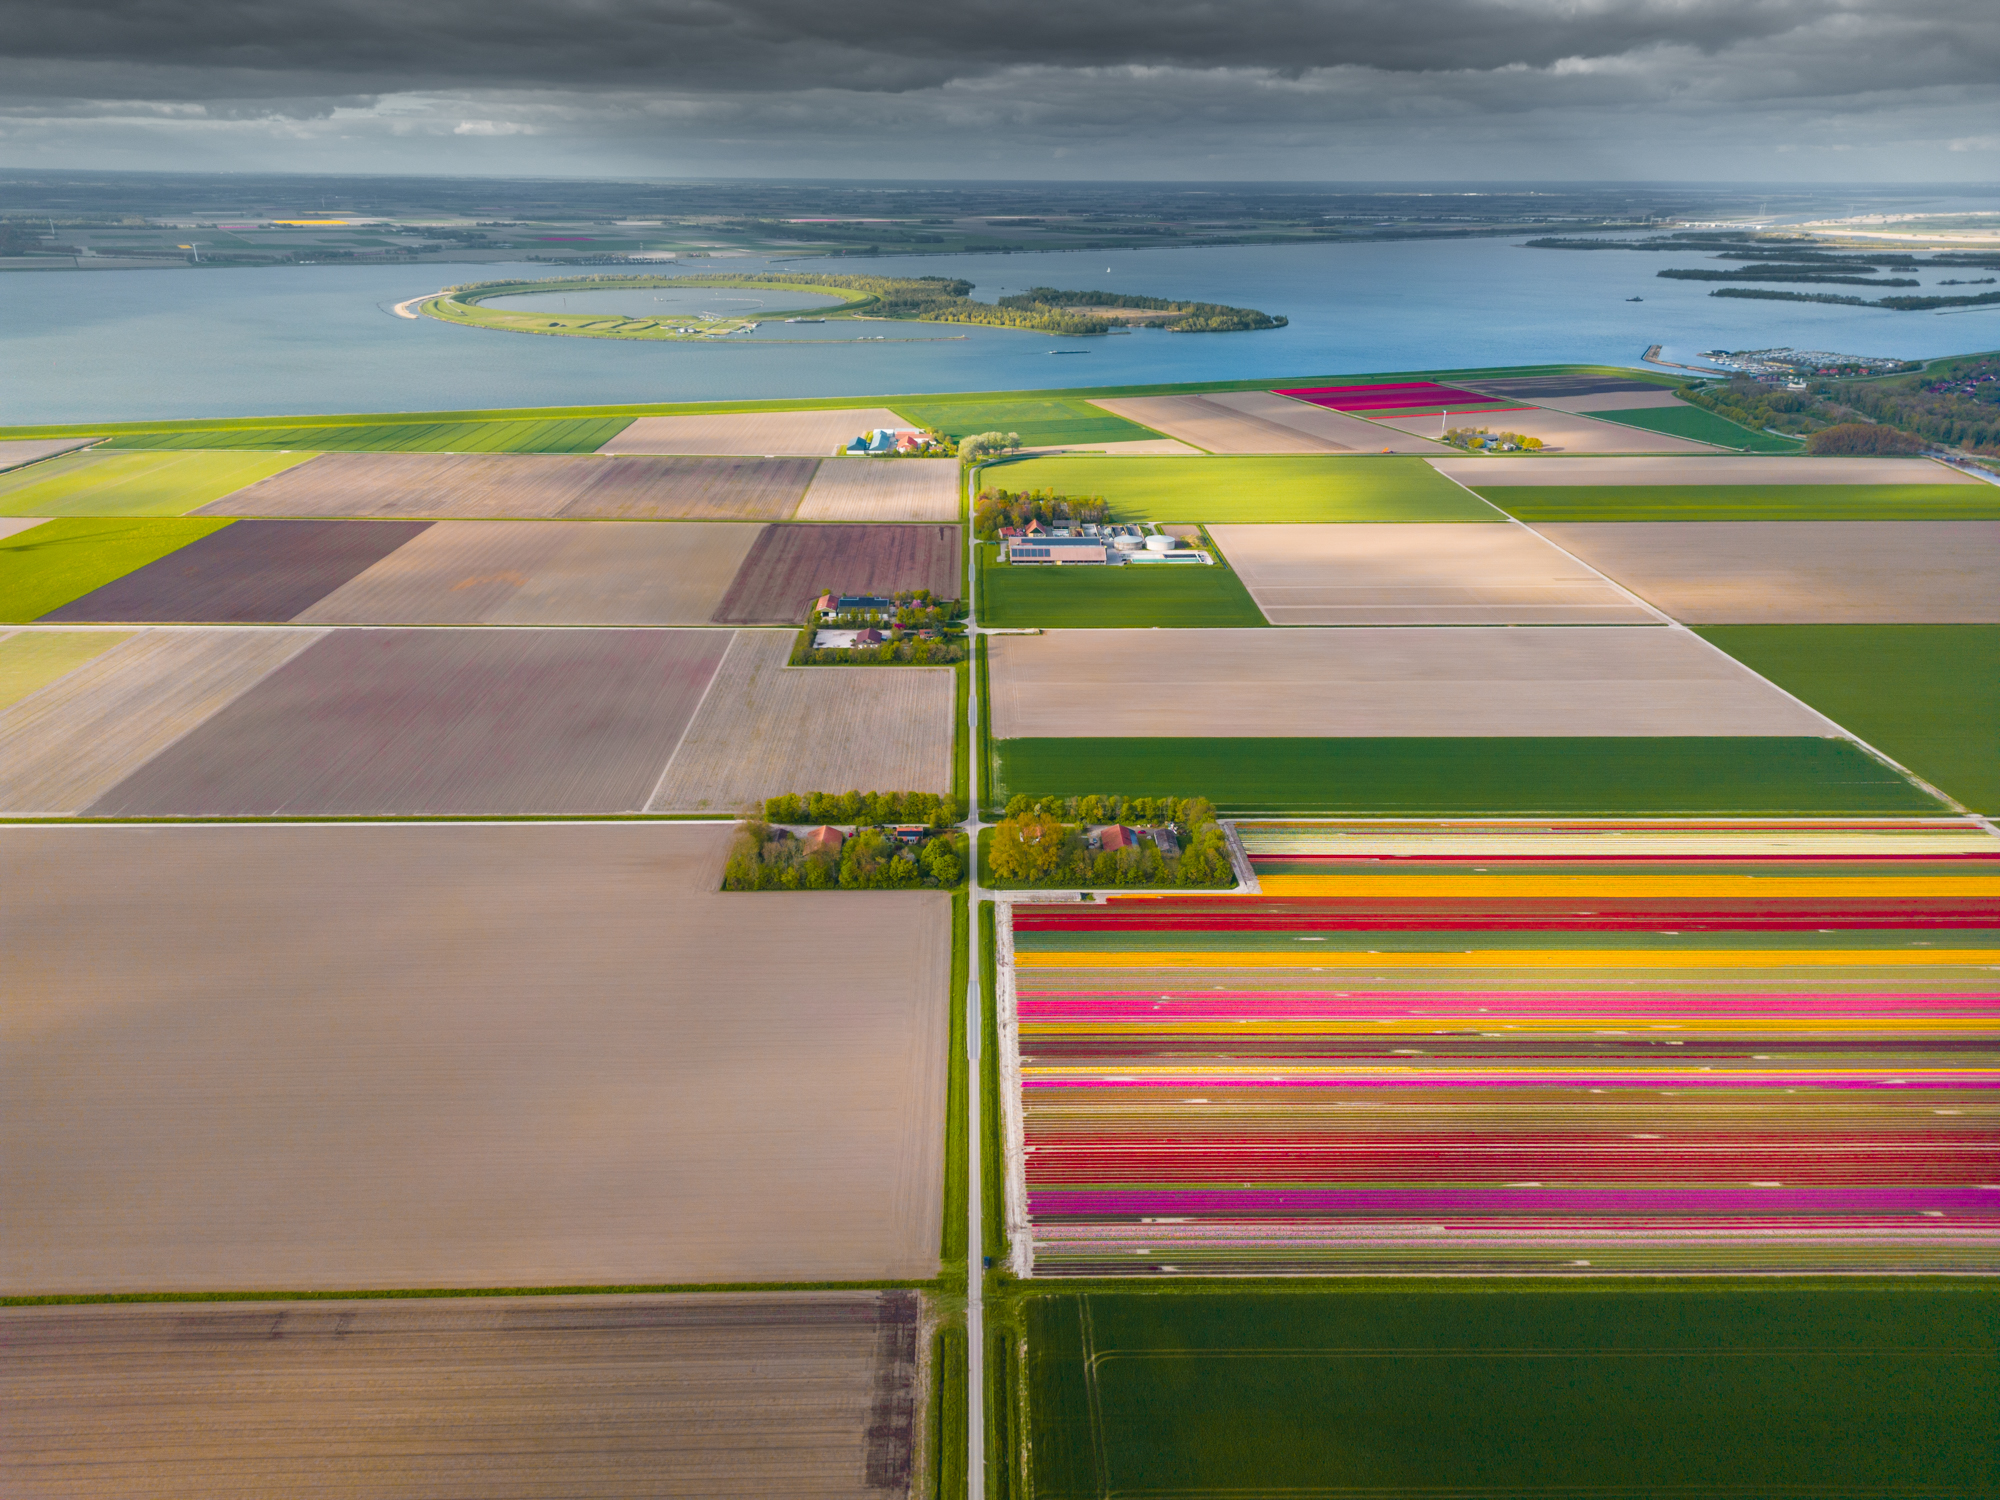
point(112, 345)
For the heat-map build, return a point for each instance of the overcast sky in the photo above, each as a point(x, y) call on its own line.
point(1764, 90)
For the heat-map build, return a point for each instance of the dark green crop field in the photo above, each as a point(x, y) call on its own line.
point(1749, 502)
point(1703, 426)
point(1585, 1392)
point(567, 435)
point(1470, 777)
point(46, 566)
point(1049, 422)
point(1132, 595)
point(1928, 695)
point(1302, 487)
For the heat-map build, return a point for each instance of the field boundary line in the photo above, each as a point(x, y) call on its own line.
point(1099, 1456)
point(687, 728)
point(1845, 733)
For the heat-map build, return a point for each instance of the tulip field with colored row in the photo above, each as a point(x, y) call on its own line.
point(1481, 1047)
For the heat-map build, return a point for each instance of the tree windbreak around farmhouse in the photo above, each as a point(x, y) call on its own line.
point(997, 508)
point(764, 858)
point(1046, 842)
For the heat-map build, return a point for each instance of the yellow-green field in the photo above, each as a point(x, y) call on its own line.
point(134, 484)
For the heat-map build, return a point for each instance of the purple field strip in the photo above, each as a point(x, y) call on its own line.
point(1591, 1005)
point(440, 722)
point(249, 572)
point(1452, 1074)
point(1417, 395)
point(1982, 1203)
point(789, 565)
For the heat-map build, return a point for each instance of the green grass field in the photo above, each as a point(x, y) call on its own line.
point(1703, 426)
point(1468, 777)
point(1129, 596)
point(45, 567)
point(1588, 1391)
point(558, 435)
point(1749, 502)
point(1045, 423)
point(1929, 695)
point(133, 484)
point(1279, 488)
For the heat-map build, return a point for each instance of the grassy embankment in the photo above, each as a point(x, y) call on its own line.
point(1129, 596)
point(1213, 491)
point(242, 432)
point(1472, 776)
point(1748, 502)
point(1514, 1387)
point(46, 566)
point(466, 305)
point(1928, 695)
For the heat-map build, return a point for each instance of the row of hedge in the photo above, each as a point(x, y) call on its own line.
point(764, 858)
point(1042, 842)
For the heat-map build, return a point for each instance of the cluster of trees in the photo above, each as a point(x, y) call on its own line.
point(980, 444)
point(897, 651)
point(997, 508)
point(1041, 841)
point(1189, 317)
point(1864, 438)
point(1811, 271)
point(1476, 437)
point(1958, 406)
point(764, 858)
point(1752, 404)
point(1898, 304)
point(938, 810)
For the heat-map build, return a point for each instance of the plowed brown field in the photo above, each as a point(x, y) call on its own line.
point(813, 434)
point(883, 489)
point(571, 485)
point(806, 1394)
point(790, 566)
point(339, 1056)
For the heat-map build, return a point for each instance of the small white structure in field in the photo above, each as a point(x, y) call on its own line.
point(1158, 543)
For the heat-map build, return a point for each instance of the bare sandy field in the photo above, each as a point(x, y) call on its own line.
point(66, 745)
point(1262, 422)
point(811, 434)
point(766, 728)
point(1203, 422)
point(574, 486)
point(1560, 431)
point(17, 451)
point(1368, 574)
point(32, 659)
point(439, 722)
point(1521, 680)
point(798, 1393)
point(547, 573)
point(883, 489)
point(315, 1056)
point(13, 525)
point(1801, 572)
point(1145, 448)
point(1721, 469)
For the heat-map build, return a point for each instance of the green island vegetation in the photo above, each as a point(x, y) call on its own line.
point(1928, 695)
point(1156, 312)
point(98, 483)
point(1949, 402)
point(1126, 596)
point(1109, 841)
point(1898, 304)
point(893, 841)
point(1284, 487)
point(1811, 271)
point(1501, 1387)
point(1749, 502)
point(1471, 776)
point(1486, 440)
point(927, 299)
point(910, 628)
point(1702, 426)
point(46, 566)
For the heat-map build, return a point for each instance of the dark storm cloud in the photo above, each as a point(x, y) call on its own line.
point(214, 48)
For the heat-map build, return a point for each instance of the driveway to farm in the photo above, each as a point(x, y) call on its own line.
point(975, 1243)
